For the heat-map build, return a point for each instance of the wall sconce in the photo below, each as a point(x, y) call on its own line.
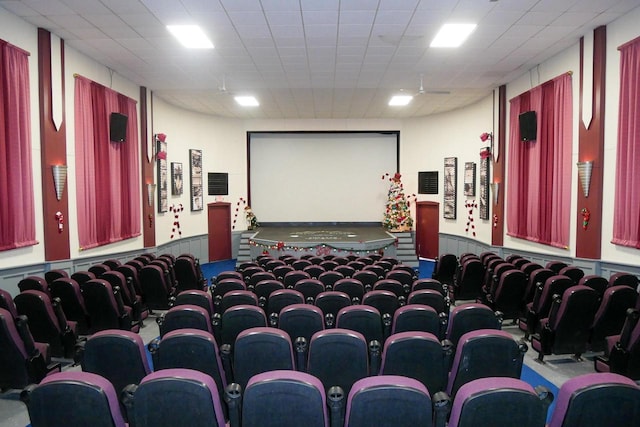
point(584, 175)
point(495, 188)
point(59, 179)
point(151, 189)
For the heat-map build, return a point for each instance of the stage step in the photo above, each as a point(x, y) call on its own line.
point(406, 250)
point(244, 250)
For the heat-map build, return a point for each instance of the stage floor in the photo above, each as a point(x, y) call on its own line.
point(349, 238)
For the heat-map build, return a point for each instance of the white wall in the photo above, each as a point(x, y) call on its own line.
point(618, 33)
point(224, 147)
point(428, 140)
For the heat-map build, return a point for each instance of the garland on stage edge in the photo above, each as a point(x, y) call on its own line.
point(320, 249)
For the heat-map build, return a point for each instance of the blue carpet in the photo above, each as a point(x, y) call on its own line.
point(212, 269)
point(426, 269)
point(534, 379)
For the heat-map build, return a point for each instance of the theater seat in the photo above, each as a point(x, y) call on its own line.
point(595, 400)
point(284, 399)
point(73, 399)
point(175, 397)
point(506, 402)
point(389, 400)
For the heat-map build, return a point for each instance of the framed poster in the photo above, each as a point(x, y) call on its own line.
point(176, 179)
point(470, 179)
point(450, 184)
point(163, 179)
point(484, 187)
point(195, 167)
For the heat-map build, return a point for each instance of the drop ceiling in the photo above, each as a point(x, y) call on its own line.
point(319, 58)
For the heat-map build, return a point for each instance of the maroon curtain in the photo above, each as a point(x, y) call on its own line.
point(107, 173)
point(539, 172)
point(626, 223)
point(17, 209)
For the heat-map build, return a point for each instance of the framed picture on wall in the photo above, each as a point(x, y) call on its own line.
point(176, 179)
point(163, 178)
point(450, 185)
point(470, 179)
point(484, 187)
point(195, 167)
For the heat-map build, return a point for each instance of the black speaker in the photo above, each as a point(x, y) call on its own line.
point(528, 126)
point(117, 127)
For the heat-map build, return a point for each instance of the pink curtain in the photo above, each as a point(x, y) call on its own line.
point(626, 220)
point(17, 208)
point(539, 172)
point(107, 173)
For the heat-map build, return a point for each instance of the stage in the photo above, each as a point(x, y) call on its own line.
point(321, 240)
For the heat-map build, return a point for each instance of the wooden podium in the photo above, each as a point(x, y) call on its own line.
point(427, 229)
point(219, 220)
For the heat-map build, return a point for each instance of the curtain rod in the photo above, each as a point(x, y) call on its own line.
point(4, 42)
point(624, 45)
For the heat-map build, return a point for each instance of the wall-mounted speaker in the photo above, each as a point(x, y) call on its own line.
point(117, 127)
point(528, 126)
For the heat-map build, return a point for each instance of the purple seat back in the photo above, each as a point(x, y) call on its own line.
point(117, 355)
point(37, 304)
point(597, 399)
point(196, 297)
point(35, 283)
point(362, 318)
point(468, 317)
point(485, 353)
point(416, 317)
point(72, 398)
point(259, 350)
point(186, 316)
point(6, 302)
point(155, 401)
point(514, 401)
point(301, 320)
point(385, 399)
point(270, 396)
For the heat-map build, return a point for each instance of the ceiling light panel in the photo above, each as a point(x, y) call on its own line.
point(190, 36)
point(452, 35)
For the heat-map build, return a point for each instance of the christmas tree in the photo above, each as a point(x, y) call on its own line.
point(397, 216)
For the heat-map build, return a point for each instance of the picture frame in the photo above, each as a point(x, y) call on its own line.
point(470, 179)
point(449, 210)
point(195, 168)
point(163, 179)
point(484, 187)
point(177, 180)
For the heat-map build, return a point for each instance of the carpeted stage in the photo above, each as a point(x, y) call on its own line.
point(322, 239)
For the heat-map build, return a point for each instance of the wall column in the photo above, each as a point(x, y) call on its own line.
point(591, 148)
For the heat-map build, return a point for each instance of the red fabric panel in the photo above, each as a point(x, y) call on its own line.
point(17, 207)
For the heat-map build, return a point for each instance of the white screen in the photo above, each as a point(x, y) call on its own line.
point(321, 177)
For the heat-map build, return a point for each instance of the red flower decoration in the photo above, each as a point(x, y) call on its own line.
point(486, 136)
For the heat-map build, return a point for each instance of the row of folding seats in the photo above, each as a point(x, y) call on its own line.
point(177, 396)
point(527, 292)
point(299, 322)
point(286, 309)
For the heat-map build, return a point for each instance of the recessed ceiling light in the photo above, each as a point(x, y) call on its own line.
point(247, 101)
point(190, 36)
point(400, 100)
point(452, 35)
